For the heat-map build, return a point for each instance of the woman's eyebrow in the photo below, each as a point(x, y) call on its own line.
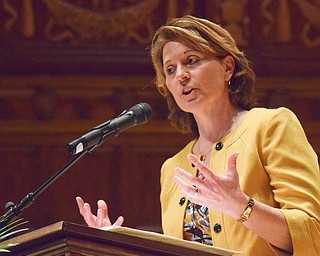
point(185, 52)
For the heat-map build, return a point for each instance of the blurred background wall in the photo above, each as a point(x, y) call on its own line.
point(69, 65)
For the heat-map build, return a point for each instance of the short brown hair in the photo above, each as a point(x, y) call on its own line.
point(207, 37)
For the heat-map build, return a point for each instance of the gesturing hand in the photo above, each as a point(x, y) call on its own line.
point(101, 219)
point(218, 192)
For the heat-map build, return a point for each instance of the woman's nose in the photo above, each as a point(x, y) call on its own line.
point(183, 75)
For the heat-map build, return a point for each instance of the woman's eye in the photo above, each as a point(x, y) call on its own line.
point(192, 60)
point(169, 70)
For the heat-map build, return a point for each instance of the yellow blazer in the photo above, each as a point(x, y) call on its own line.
point(277, 166)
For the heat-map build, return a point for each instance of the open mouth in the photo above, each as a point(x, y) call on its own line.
point(187, 92)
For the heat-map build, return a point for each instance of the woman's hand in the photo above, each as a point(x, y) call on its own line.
point(218, 192)
point(101, 219)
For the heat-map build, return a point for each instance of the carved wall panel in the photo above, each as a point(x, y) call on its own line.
point(281, 37)
point(102, 35)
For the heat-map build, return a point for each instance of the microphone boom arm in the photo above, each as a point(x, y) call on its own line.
point(14, 210)
point(138, 114)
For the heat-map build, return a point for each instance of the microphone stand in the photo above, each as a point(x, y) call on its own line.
point(14, 210)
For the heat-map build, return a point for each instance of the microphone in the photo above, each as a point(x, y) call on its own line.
point(138, 114)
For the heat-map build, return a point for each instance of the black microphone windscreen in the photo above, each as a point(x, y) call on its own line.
point(142, 112)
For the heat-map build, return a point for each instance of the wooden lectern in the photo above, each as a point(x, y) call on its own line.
point(65, 238)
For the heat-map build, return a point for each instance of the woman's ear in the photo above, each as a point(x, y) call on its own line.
point(229, 66)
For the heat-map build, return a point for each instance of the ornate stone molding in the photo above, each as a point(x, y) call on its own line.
point(281, 37)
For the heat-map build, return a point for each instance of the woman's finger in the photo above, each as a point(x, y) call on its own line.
point(102, 214)
point(184, 179)
point(101, 219)
point(119, 222)
point(183, 174)
point(89, 218)
point(80, 204)
point(232, 165)
point(206, 172)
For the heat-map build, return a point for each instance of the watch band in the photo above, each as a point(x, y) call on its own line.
point(245, 215)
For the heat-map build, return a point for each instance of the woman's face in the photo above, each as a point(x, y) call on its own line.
point(195, 79)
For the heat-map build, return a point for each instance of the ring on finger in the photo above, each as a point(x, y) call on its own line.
point(196, 191)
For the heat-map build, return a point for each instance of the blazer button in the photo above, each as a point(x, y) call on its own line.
point(182, 200)
point(219, 146)
point(217, 228)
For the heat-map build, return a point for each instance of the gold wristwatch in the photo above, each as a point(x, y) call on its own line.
point(245, 215)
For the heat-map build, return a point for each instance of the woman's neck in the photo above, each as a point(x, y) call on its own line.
point(215, 124)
